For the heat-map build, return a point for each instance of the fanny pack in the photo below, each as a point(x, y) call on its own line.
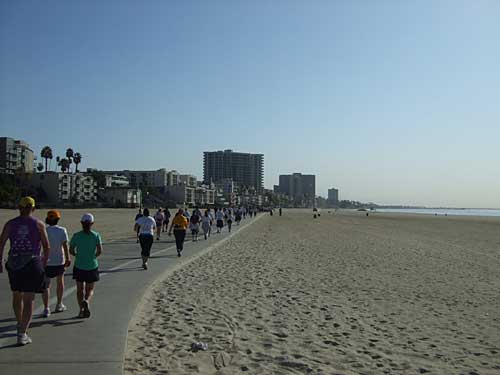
point(17, 262)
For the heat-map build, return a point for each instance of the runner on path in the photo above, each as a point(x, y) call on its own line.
point(25, 264)
point(159, 218)
point(86, 247)
point(146, 227)
point(179, 225)
point(238, 216)
point(167, 215)
point(212, 221)
point(194, 225)
point(206, 223)
point(59, 260)
point(139, 214)
point(229, 219)
point(219, 216)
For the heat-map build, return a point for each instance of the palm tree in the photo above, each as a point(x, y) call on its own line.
point(77, 159)
point(69, 155)
point(64, 164)
point(46, 153)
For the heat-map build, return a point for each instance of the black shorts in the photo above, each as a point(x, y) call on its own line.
point(54, 271)
point(85, 276)
point(220, 223)
point(29, 279)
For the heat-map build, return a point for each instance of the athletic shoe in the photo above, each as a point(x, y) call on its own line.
point(145, 266)
point(81, 315)
point(85, 309)
point(23, 339)
point(178, 253)
point(46, 312)
point(60, 308)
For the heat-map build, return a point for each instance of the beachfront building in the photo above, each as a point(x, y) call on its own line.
point(300, 188)
point(160, 178)
point(333, 196)
point(115, 180)
point(173, 178)
point(15, 155)
point(246, 170)
point(121, 197)
point(60, 188)
point(181, 194)
point(188, 180)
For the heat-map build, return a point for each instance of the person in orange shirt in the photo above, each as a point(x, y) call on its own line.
point(179, 226)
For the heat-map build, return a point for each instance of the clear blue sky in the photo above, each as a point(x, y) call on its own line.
point(390, 101)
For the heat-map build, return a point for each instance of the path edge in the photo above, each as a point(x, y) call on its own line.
point(168, 272)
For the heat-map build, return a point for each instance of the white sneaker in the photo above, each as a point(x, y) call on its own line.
point(23, 339)
point(46, 312)
point(60, 308)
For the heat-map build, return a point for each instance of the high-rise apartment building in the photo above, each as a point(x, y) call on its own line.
point(333, 196)
point(246, 170)
point(300, 188)
point(15, 155)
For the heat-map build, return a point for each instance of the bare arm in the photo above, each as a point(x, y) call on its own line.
point(45, 241)
point(66, 254)
point(72, 250)
point(98, 250)
point(3, 241)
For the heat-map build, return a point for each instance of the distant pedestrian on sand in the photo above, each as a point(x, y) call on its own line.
point(139, 214)
point(59, 260)
point(146, 227)
point(25, 263)
point(280, 211)
point(86, 247)
point(179, 226)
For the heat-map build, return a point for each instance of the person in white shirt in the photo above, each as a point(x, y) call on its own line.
point(146, 226)
point(58, 261)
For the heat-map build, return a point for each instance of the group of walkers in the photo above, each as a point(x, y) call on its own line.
point(146, 225)
point(38, 253)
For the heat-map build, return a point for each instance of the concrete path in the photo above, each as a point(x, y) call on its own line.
point(65, 344)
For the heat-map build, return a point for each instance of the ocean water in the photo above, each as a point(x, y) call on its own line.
point(444, 211)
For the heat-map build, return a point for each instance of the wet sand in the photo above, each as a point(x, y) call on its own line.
point(342, 294)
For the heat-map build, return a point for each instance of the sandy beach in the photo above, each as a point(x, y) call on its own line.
point(113, 223)
point(343, 294)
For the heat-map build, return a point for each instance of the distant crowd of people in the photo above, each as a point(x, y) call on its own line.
point(147, 226)
point(40, 252)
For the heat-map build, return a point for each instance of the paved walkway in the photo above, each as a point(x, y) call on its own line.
point(65, 344)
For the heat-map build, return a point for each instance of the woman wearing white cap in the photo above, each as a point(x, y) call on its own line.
point(85, 246)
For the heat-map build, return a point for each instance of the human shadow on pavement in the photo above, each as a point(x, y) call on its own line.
point(128, 269)
point(56, 323)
